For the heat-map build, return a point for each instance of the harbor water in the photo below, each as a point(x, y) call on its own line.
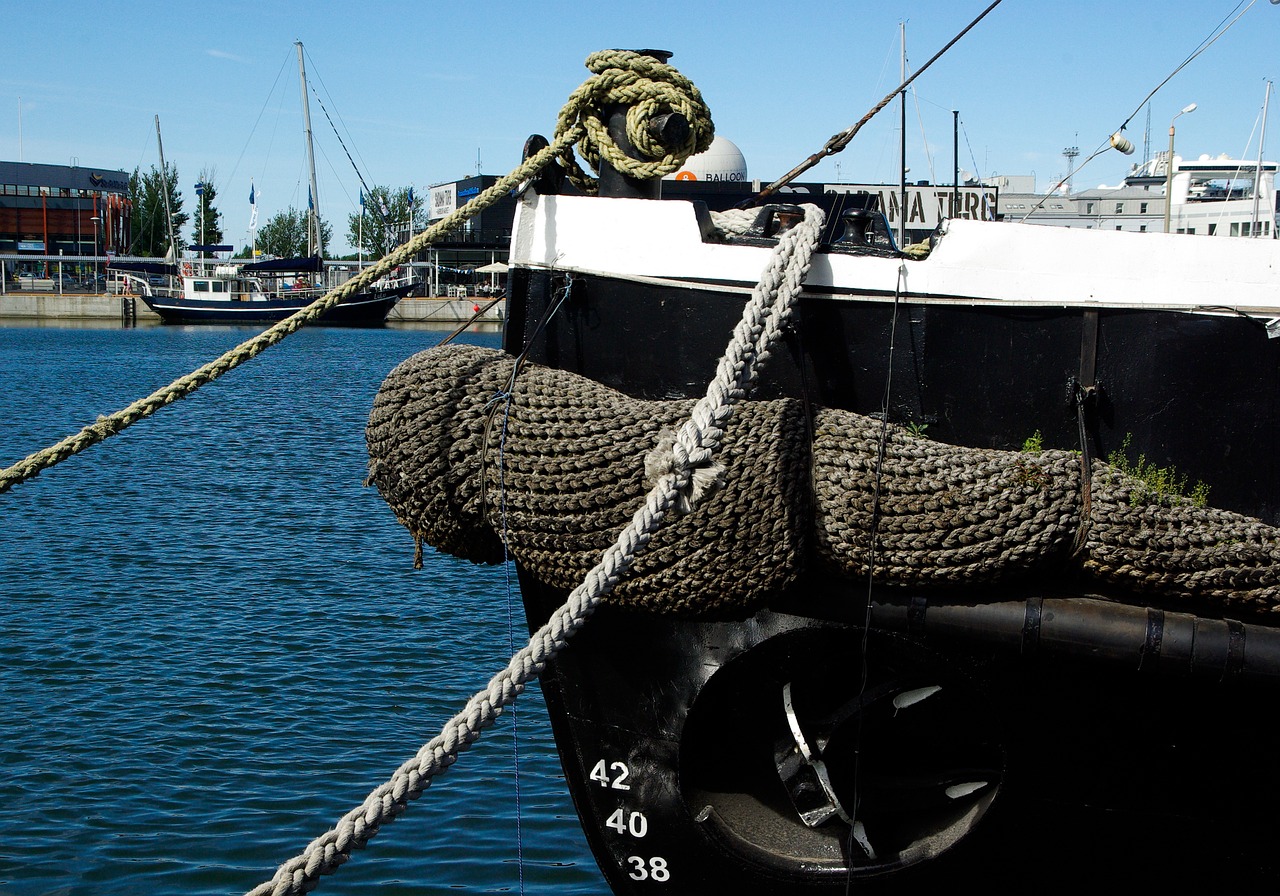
point(213, 643)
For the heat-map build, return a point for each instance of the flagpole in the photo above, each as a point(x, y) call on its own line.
point(253, 222)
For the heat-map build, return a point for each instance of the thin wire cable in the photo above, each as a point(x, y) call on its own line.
point(924, 138)
point(507, 397)
point(253, 130)
point(511, 637)
point(1106, 144)
point(874, 532)
point(317, 77)
point(838, 142)
point(355, 167)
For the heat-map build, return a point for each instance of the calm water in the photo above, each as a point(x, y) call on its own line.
point(213, 643)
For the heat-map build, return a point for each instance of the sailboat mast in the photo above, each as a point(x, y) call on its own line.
point(1257, 174)
point(313, 201)
point(164, 188)
point(902, 138)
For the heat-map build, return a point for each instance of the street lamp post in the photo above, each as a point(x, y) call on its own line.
point(95, 220)
point(1168, 184)
point(200, 196)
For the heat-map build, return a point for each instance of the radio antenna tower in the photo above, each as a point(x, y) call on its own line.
point(1072, 153)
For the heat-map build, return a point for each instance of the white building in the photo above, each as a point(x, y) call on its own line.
point(1211, 197)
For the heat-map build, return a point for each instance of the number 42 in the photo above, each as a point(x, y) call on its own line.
point(617, 781)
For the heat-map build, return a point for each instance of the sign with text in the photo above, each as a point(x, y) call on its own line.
point(444, 201)
point(927, 206)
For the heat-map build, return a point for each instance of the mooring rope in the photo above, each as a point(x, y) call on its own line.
point(619, 76)
point(691, 449)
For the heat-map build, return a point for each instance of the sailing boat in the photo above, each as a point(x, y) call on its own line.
point(259, 292)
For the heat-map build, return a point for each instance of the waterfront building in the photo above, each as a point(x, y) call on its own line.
point(1210, 197)
point(482, 241)
point(67, 210)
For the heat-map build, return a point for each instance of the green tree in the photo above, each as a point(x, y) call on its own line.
point(386, 213)
point(285, 234)
point(148, 233)
point(211, 233)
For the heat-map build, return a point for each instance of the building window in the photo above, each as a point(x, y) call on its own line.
point(1088, 208)
point(1142, 229)
point(1119, 208)
point(1142, 209)
point(1235, 228)
point(1213, 228)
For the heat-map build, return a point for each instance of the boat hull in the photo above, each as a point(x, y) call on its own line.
point(364, 310)
point(1192, 392)
point(1092, 774)
point(1069, 762)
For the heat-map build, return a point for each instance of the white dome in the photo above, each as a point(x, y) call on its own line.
point(721, 162)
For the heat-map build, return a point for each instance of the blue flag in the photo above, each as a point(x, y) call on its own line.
point(251, 200)
point(311, 203)
point(362, 198)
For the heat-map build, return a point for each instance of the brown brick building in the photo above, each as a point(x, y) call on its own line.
point(63, 209)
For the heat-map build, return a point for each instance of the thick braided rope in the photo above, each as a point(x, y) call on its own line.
point(766, 312)
point(107, 426)
point(950, 516)
point(650, 88)
point(767, 309)
point(1170, 547)
point(573, 471)
point(944, 516)
point(941, 514)
point(655, 86)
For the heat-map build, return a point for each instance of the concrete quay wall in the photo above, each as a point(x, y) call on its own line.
point(68, 306)
point(88, 307)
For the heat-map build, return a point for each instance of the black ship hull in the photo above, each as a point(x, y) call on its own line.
point(1061, 737)
point(364, 310)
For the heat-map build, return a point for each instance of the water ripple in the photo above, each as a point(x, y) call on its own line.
point(212, 642)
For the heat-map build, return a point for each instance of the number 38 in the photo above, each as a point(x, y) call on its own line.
point(654, 869)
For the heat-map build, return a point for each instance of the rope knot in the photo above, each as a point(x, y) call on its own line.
point(669, 458)
point(649, 89)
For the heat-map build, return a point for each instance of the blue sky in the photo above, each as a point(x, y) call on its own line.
point(420, 90)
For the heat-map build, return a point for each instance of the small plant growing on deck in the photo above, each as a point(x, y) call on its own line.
point(1160, 485)
point(1034, 443)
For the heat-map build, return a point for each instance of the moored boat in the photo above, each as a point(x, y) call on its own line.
point(198, 291)
point(951, 609)
point(259, 292)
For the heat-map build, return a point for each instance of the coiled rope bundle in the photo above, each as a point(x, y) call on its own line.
point(559, 465)
point(648, 88)
point(562, 472)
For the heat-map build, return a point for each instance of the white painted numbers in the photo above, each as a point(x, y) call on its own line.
point(611, 774)
point(628, 822)
point(655, 869)
point(624, 822)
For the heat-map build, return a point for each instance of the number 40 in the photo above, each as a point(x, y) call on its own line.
point(633, 823)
